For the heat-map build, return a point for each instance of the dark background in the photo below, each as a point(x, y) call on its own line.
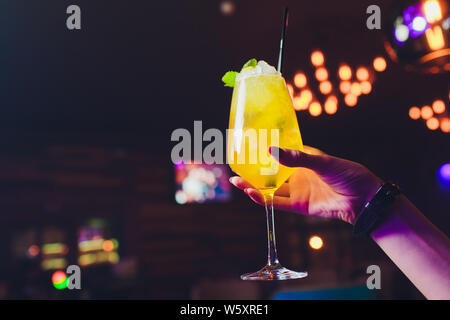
point(86, 118)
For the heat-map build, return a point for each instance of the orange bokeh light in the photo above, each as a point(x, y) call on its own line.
point(321, 74)
point(445, 125)
point(300, 80)
point(433, 123)
point(302, 101)
point(331, 105)
point(366, 87)
point(315, 109)
point(362, 74)
point(426, 112)
point(108, 245)
point(355, 89)
point(345, 86)
point(414, 113)
point(345, 72)
point(317, 58)
point(379, 64)
point(290, 89)
point(325, 87)
point(350, 100)
point(438, 106)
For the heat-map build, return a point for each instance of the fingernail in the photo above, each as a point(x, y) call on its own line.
point(276, 152)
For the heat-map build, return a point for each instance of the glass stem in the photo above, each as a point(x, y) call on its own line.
point(272, 256)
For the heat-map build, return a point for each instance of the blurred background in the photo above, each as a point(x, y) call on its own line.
point(86, 118)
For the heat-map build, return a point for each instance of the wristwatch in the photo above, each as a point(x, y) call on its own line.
point(375, 210)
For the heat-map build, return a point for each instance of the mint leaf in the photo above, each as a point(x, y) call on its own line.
point(229, 78)
point(250, 63)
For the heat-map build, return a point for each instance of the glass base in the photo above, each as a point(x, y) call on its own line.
point(274, 272)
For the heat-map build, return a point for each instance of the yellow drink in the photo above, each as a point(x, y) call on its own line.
point(262, 115)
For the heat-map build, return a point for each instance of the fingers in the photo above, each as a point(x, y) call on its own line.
point(240, 183)
point(312, 150)
point(243, 184)
point(295, 158)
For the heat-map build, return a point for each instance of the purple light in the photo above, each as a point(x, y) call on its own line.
point(414, 13)
point(444, 173)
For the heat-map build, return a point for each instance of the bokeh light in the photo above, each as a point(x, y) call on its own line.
point(59, 280)
point(433, 123)
point(432, 11)
point(366, 87)
point(315, 109)
point(331, 105)
point(300, 80)
point(401, 33)
point(350, 100)
point(345, 72)
point(426, 112)
point(362, 74)
point(444, 173)
point(379, 64)
point(316, 242)
point(325, 87)
point(108, 245)
point(227, 7)
point(414, 113)
point(445, 125)
point(317, 58)
point(321, 74)
point(345, 86)
point(290, 89)
point(438, 106)
point(355, 89)
point(33, 250)
point(302, 101)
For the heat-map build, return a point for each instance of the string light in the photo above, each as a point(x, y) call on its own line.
point(355, 89)
point(438, 106)
point(362, 74)
point(317, 58)
point(379, 64)
point(414, 113)
point(300, 80)
point(321, 74)
point(445, 125)
point(426, 112)
point(290, 89)
point(366, 87)
point(433, 123)
point(325, 87)
point(315, 109)
point(345, 72)
point(350, 100)
point(331, 105)
point(345, 86)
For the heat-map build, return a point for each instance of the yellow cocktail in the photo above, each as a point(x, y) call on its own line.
point(262, 115)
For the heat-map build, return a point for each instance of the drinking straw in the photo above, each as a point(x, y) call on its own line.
point(283, 37)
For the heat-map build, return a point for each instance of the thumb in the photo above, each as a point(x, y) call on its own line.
point(296, 158)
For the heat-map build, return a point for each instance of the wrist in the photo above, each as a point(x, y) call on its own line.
point(371, 189)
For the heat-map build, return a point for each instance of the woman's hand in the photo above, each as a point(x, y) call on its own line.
point(323, 185)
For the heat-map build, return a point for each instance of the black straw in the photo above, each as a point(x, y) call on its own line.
point(283, 37)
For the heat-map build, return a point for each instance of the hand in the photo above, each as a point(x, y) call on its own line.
point(323, 185)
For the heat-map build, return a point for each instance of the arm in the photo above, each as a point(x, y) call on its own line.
point(332, 187)
point(417, 247)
